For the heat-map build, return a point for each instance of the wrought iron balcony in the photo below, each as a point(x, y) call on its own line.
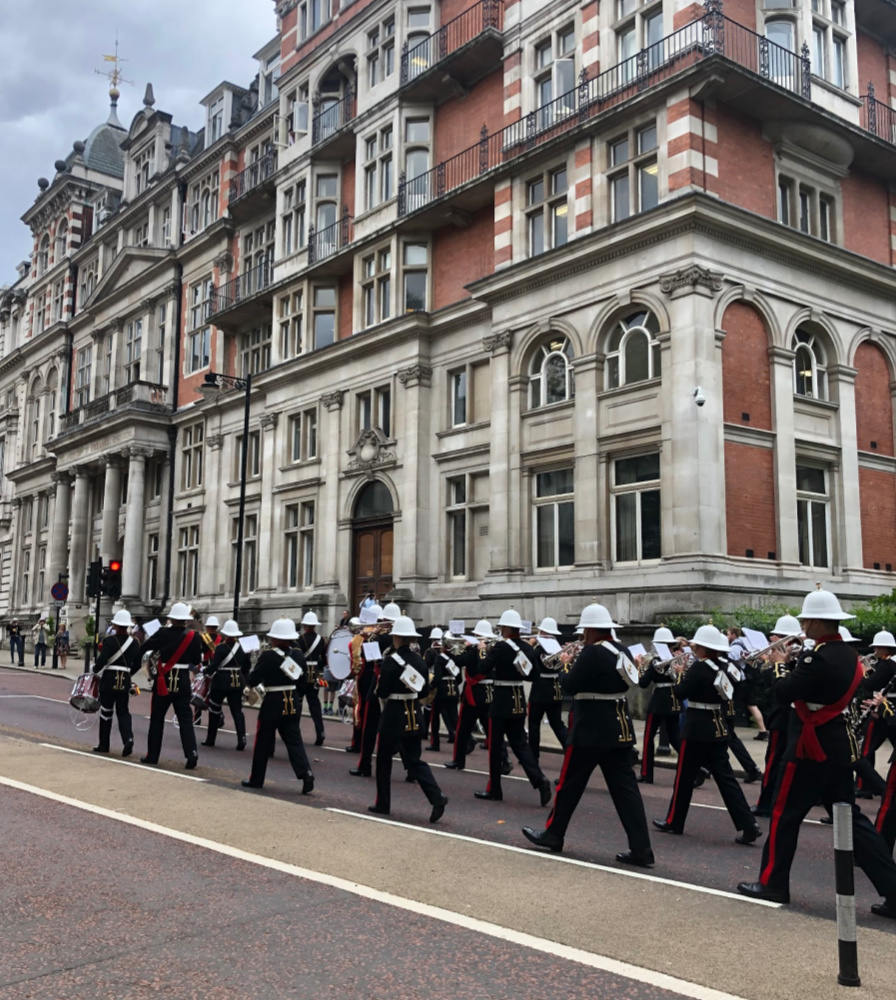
point(243, 298)
point(252, 186)
point(326, 243)
point(878, 118)
point(329, 125)
point(465, 48)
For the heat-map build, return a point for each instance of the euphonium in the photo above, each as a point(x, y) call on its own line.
point(571, 650)
point(454, 645)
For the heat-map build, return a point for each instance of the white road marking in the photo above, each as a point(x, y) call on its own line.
point(602, 963)
point(558, 857)
point(127, 763)
point(36, 697)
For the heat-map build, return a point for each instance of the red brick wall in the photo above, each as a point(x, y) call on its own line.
point(451, 9)
point(866, 216)
point(461, 256)
point(346, 299)
point(458, 121)
point(742, 11)
point(750, 500)
point(746, 164)
point(682, 17)
point(874, 405)
point(877, 496)
point(746, 378)
point(348, 187)
point(872, 66)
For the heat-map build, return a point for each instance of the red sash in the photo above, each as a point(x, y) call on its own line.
point(166, 669)
point(808, 746)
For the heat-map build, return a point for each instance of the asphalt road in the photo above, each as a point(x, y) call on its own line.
point(680, 921)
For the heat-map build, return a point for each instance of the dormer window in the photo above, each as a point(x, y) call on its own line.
point(143, 169)
point(216, 120)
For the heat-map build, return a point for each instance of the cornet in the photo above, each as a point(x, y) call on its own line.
point(556, 662)
point(669, 667)
point(869, 662)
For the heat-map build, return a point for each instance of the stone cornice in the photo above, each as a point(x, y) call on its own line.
point(416, 375)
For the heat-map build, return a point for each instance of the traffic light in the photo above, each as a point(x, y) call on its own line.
point(94, 578)
point(111, 579)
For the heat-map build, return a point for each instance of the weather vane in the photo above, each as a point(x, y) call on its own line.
point(114, 75)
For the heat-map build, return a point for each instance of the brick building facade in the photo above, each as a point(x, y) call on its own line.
point(478, 257)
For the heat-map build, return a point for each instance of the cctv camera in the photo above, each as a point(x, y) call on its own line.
point(699, 398)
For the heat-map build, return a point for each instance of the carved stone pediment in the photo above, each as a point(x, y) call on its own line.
point(370, 451)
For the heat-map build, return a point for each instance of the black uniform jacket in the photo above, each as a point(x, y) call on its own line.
point(598, 723)
point(878, 678)
point(443, 680)
point(166, 642)
point(545, 682)
point(267, 671)
point(130, 660)
point(779, 717)
point(821, 676)
point(697, 684)
point(233, 676)
point(314, 647)
point(400, 716)
point(499, 666)
point(662, 699)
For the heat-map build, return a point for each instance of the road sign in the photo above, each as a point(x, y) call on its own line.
point(59, 592)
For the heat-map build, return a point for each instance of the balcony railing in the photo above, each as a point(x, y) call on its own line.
point(712, 35)
point(323, 243)
point(464, 28)
point(134, 396)
point(332, 116)
point(255, 174)
point(241, 288)
point(878, 118)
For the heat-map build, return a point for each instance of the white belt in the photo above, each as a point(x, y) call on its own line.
point(401, 697)
point(181, 666)
point(280, 687)
point(485, 681)
point(664, 685)
point(706, 707)
point(814, 706)
point(508, 684)
point(124, 669)
point(598, 696)
point(312, 663)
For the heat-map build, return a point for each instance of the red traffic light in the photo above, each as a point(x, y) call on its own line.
point(115, 565)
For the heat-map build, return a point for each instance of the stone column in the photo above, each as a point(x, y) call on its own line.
point(132, 559)
point(846, 511)
point(329, 513)
point(412, 556)
point(781, 361)
point(589, 505)
point(216, 560)
point(111, 509)
point(77, 559)
point(498, 345)
point(61, 516)
point(267, 546)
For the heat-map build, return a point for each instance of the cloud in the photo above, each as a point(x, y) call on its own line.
point(50, 95)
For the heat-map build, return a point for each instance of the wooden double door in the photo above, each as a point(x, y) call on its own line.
point(372, 565)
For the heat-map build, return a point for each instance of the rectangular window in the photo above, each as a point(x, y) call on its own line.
point(152, 565)
point(249, 582)
point(192, 454)
point(199, 350)
point(253, 457)
point(637, 512)
point(838, 61)
point(554, 519)
point(376, 289)
point(812, 505)
point(83, 376)
point(547, 210)
point(303, 436)
point(458, 398)
point(458, 516)
point(414, 261)
point(255, 350)
point(161, 328)
point(324, 310)
point(133, 348)
point(188, 561)
point(634, 173)
point(292, 324)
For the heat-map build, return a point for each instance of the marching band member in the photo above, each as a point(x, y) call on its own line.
point(361, 677)
point(785, 627)
point(229, 670)
point(401, 682)
point(118, 661)
point(281, 670)
point(870, 783)
point(180, 652)
point(545, 697)
point(743, 756)
point(211, 638)
point(818, 762)
point(371, 674)
point(507, 664)
point(662, 707)
point(602, 735)
point(312, 645)
point(444, 679)
point(704, 737)
point(885, 823)
point(746, 690)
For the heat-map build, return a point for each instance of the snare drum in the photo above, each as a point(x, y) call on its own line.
point(86, 694)
point(202, 687)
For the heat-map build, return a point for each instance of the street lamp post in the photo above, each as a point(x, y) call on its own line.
point(212, 385)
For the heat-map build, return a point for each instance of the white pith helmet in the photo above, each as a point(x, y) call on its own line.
point(310, 618)
point(354, 621)
point(122, 618)
point(435, 634)
point(710, 637)
point(549, 625)
point(404, 627)
point(283, 628)
point(212, 621)
point(663, 634)
point(180, 612)
point(823, 606)
point(376, 609)
point(231, 628)
point(597, 616)
point(484, 630)
point(884, 639)
point(846, 635)
point(510, 619)
point(391, 612)
point(787, 625)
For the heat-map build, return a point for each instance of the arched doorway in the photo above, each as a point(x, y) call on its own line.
point(372, 543)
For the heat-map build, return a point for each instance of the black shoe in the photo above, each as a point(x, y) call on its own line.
point(827, 820)
point(241, 745)
point(409, 779)
point(438, 809)
point(544, 838)
point(452, 765)
point(206, 743)
point(757, 811)
point(756, 890)
point(127, 749)
point(664, 827)
point(351, 748)
point(100, 749)
point(761, 737)
point(146, 760)
point(556, 782)
point(753, 777)
point(864, 795)
point(506, 767)
point(251, 784)
point(489, 796)
point(546, 794)
point(885, 909)
point(192, 762)
point(471, 746)
point(319, 741)
point(642, 859)
point(701, 777)
point(642, 779)
point(377, 811)
point(360, 772)
point(749, 836)
point(308, 784)
point(432, 747)
point(663, 752)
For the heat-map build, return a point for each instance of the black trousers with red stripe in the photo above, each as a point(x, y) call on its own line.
point(651, 728)
point(466, 721)
point(265, 735)
point(554, 712)
point(735, 745)
point(801, 784)
point(617, 766)
point(774, 754)
point(443, 710)
point(513, 728)
point(867, 778)
point(714, 758)
point(408, 747)
point(885, 824)
point(370, 720)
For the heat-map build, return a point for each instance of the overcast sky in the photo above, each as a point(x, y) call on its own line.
point(50, 95)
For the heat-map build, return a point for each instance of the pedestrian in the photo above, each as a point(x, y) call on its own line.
point(229, 671)
point(369, 600)
point(63, 644)
point(39, 635)
point(16, 642)
point(118, 661)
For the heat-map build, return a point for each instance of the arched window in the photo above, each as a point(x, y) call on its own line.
point(374, 500)
point(633, 352)
point(61, 239)
point(810, 377)
point(550, 373)
point(207, 216)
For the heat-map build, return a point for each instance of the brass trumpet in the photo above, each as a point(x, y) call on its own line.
point(869, 662)
point(788, 643)
point(571, 650)
point(669, 667)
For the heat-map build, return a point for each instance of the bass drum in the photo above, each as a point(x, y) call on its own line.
point(339, 654)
